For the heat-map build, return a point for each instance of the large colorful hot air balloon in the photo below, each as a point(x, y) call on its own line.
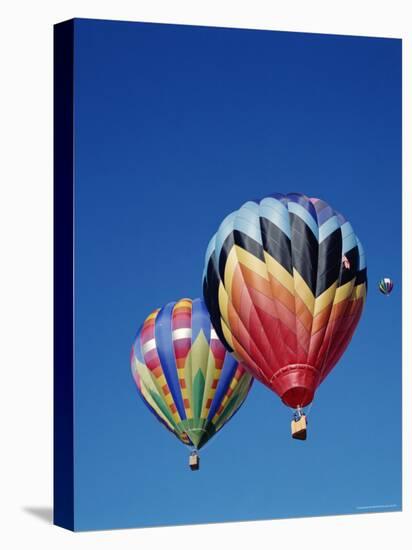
point(185, 375)
point(386, 286)
point(285, 284)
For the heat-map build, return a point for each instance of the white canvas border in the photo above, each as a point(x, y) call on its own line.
point(26, 274)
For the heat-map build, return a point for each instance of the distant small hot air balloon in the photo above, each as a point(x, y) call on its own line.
point(285, 285)
point(185, 375)
point(386, 286)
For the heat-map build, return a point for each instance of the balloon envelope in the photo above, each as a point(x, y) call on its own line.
point(386, 286)
point(184, 374)
point(285, 285)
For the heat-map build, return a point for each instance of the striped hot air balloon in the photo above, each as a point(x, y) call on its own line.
point(386, 286)
point(185, 375)
point(285, 285)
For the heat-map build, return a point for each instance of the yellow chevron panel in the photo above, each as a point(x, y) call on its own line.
point(223, 303)
point(327, 298)
point(279, 272)
point(230, 266)
point(227, 334)
point(359, 292)
point(303, 291)
point(344, 291)
point(250, 261)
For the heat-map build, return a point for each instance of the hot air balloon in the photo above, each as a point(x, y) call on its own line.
point(285, 285)
point(185, 375)
point(386, 286)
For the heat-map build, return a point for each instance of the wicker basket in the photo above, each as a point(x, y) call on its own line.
point(299, 428)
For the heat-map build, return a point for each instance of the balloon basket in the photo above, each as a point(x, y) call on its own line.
point(299, 428)
point(194, 461)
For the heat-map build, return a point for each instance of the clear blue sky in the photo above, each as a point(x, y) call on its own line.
point(175, 128)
